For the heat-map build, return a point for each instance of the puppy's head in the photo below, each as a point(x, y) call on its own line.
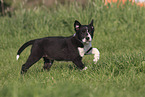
point(84, 32)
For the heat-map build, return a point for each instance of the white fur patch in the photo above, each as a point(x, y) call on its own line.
point(84, 40)
point(90, 38)
point(85, 68)
point(96, 53)
point(17, 57)
point(82, 51)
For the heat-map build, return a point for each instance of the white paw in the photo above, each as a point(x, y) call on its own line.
point(96, 58)
point(85, 68)
point(96, 53)
point(95, 61)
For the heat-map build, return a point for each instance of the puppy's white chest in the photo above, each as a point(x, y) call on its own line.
point(82, 51)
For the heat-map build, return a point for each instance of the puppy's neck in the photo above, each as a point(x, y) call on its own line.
point(77, 42)
point(87, 45)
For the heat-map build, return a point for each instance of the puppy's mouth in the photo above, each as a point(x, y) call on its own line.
point(86, 40)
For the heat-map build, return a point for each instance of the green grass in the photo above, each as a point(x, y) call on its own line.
point(119, 36)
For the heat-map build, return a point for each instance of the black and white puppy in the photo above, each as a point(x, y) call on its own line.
point(71, 48)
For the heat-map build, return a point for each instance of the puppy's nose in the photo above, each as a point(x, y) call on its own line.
point(87, 38)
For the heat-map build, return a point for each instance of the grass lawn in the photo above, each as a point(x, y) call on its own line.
point(119, 35)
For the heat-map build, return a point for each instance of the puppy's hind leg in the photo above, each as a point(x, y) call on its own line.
point(30, 61)
point(47, 63)
point(33, 58)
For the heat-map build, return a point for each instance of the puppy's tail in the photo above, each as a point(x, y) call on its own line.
point(23, 47)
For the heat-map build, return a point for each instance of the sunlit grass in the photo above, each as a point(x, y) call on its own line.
point(119, 36)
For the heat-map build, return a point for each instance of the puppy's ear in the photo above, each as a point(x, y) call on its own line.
point(91, 24)
point(77, 25)
point(92, 27)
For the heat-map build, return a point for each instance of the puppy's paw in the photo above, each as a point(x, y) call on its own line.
point(96, 58)
point(96, 53)
point(85, 68)
point(95, 61)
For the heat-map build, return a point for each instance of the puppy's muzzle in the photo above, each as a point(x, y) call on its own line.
point(87, 38)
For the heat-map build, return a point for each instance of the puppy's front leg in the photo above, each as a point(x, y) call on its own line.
point(79, 64)
point(96, 53)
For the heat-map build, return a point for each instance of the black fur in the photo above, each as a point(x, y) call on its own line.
point(54, 48)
